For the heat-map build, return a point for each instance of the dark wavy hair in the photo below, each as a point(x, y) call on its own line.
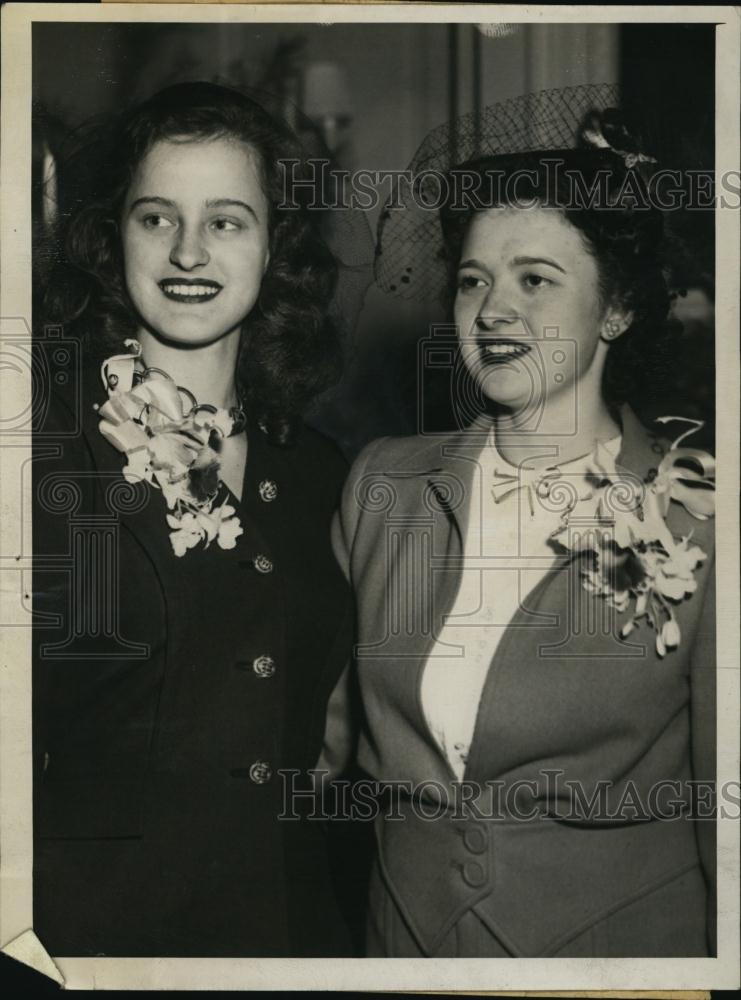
point(609, 205)
point(289, 349)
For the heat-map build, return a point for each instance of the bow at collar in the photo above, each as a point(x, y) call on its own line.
point(536, 483)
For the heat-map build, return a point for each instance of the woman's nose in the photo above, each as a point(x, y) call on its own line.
point(189, 250)
point(496, 309)
point(490, 320)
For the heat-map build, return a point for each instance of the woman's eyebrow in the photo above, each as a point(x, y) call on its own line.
point(538, 260)
point(225, 202)
point(153, 199)
point(471, 263)
point(212, 203)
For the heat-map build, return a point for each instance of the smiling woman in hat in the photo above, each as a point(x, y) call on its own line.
point(535, 591)
point(196, 622)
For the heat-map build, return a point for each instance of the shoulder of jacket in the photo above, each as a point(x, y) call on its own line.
point(396, 454)
point(316, 446)
point(682, 524)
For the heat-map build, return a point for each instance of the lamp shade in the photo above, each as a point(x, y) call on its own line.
point(498, 30)
point(326, 92)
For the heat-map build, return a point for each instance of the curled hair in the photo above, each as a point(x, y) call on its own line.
point(289, 349)
point(607, 203)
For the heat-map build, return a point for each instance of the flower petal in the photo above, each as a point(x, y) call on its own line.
point(670, 633)
point(229, 531)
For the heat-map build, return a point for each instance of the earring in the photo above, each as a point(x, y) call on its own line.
point(612, 329)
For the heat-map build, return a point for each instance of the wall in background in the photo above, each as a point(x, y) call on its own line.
point(402, 81)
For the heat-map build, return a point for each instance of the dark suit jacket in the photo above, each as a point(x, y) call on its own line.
point(564, 693)
point(153, 833)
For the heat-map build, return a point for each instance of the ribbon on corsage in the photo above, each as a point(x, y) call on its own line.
point(631, 555)
point(172, 446)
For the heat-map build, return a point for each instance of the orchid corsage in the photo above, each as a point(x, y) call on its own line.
point(173, 443)
point(632, 555)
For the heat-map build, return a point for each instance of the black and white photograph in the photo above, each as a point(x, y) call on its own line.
point(369, 466)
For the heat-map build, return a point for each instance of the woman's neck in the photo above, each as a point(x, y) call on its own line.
point(560, 433)
point(208, 372)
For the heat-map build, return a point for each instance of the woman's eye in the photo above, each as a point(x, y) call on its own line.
point(536, 281)
point(468, 281)
point(226, 225)
point(155, 221)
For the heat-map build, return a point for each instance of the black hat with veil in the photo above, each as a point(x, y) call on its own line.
point(581, 126)
point(583, 132)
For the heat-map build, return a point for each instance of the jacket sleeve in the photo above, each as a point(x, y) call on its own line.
point(344, 711)
point(63, 473)
point(92, 711)
point(703, 668)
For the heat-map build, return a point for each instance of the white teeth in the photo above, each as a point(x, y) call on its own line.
point(506, 349)
point(191, 290)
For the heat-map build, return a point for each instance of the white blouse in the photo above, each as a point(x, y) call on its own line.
point(501, 535)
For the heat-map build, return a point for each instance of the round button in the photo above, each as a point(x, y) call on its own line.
point(474, 839)
point(262, 564)
point(473, 874)
point(260, 772)
point(264, 666)
point(268, 490)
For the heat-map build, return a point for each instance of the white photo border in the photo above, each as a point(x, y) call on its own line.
point(15, 673)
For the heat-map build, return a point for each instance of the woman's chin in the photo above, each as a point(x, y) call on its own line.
point(507, 392)
point(187, 336)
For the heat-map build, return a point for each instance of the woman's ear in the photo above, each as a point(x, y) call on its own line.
point(615, 323)
point(267, 261)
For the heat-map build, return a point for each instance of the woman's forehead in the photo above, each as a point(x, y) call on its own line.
point(511, 227)
point(190, 163)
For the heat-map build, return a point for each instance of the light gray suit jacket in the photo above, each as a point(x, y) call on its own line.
point(563, 694)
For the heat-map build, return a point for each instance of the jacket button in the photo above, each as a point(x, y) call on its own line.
point(260, 772)
point(264, 666)
point(474, 839)
point(473, 874)
point(268, 490)
point(262, 564)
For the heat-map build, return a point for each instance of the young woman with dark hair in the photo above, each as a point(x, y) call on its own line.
point(184, 662)
point(625, 235)
point(535, 591)
point(288, 350)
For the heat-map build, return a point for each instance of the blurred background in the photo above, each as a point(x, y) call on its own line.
point(366, 95)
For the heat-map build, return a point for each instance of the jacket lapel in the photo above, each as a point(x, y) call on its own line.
point(449, 470)
point(641, 451)
point(428, 524)
point(144, 519)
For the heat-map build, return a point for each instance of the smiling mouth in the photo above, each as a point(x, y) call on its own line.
point(192, 292)
point(499, 352)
